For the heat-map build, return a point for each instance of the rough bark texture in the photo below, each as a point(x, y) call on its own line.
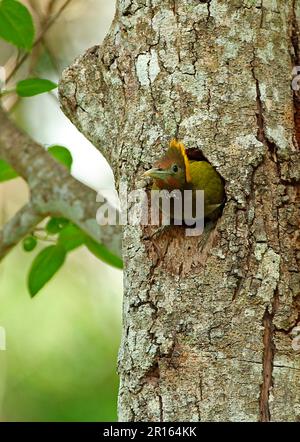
point(210, 335)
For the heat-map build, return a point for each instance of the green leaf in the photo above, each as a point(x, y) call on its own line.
point(55, 225)
point(34, 86)
point(62, 155)
point(29, 243)
point(16, 24)
point(6, 171)
point(44, 266)
point(71, 237)
point(102, 252)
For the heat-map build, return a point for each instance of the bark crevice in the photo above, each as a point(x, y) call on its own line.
point(268, 359)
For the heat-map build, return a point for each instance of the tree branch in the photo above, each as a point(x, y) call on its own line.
point(53, 190)
point(17, 227)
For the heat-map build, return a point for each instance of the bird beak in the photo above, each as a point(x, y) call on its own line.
point(156, 173)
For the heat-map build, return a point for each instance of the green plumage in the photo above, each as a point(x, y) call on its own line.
point(205, 177)
point(175, 171)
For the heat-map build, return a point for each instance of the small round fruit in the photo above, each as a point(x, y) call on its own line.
point(29, 243)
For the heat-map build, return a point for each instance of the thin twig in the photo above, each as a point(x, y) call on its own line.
point(44, 238)
point(39, 39)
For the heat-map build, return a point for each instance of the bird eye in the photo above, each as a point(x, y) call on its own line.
point(175, 168)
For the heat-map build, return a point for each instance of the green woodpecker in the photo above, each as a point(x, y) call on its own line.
point(176, 171)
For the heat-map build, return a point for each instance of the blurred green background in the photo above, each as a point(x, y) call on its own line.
point(61, 347)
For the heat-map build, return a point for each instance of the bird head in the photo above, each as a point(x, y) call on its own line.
point(172, 171)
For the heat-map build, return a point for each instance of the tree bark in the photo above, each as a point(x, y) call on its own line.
point(208, 335)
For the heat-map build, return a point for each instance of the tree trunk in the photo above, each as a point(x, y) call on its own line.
point(209, 335)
